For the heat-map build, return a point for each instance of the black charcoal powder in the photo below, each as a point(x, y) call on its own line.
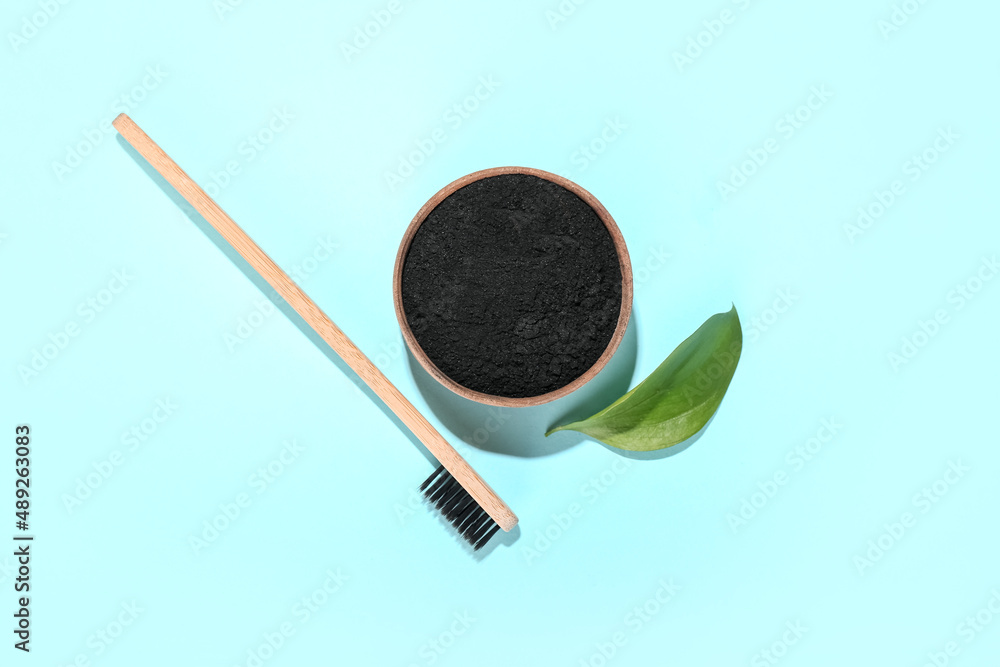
point(512, 286)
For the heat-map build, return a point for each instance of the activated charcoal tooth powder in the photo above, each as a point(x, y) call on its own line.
point(512, 286)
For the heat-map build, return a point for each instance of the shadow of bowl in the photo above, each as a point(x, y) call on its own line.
point(521, 431)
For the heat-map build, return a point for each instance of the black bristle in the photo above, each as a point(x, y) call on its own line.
point(472, 515)
point(432, 488)
point(455, 507)
point(486, 538)
point(440, 490)
point(427, 481)
point(461, 513)
point(447, 504)
point(473, 521)
point(460, 508)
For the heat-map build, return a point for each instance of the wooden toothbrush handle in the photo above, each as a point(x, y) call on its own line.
point(317, 319)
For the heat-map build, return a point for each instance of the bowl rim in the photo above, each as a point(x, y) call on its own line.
point(624, 313)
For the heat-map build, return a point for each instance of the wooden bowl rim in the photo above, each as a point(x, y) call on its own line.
point(623, 315)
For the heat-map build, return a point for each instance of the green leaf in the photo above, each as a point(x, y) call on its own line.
point(678, 398)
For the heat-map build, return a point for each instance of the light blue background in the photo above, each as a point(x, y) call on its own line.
point(343, 502)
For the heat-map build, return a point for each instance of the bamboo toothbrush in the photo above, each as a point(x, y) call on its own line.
point(468, 502)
